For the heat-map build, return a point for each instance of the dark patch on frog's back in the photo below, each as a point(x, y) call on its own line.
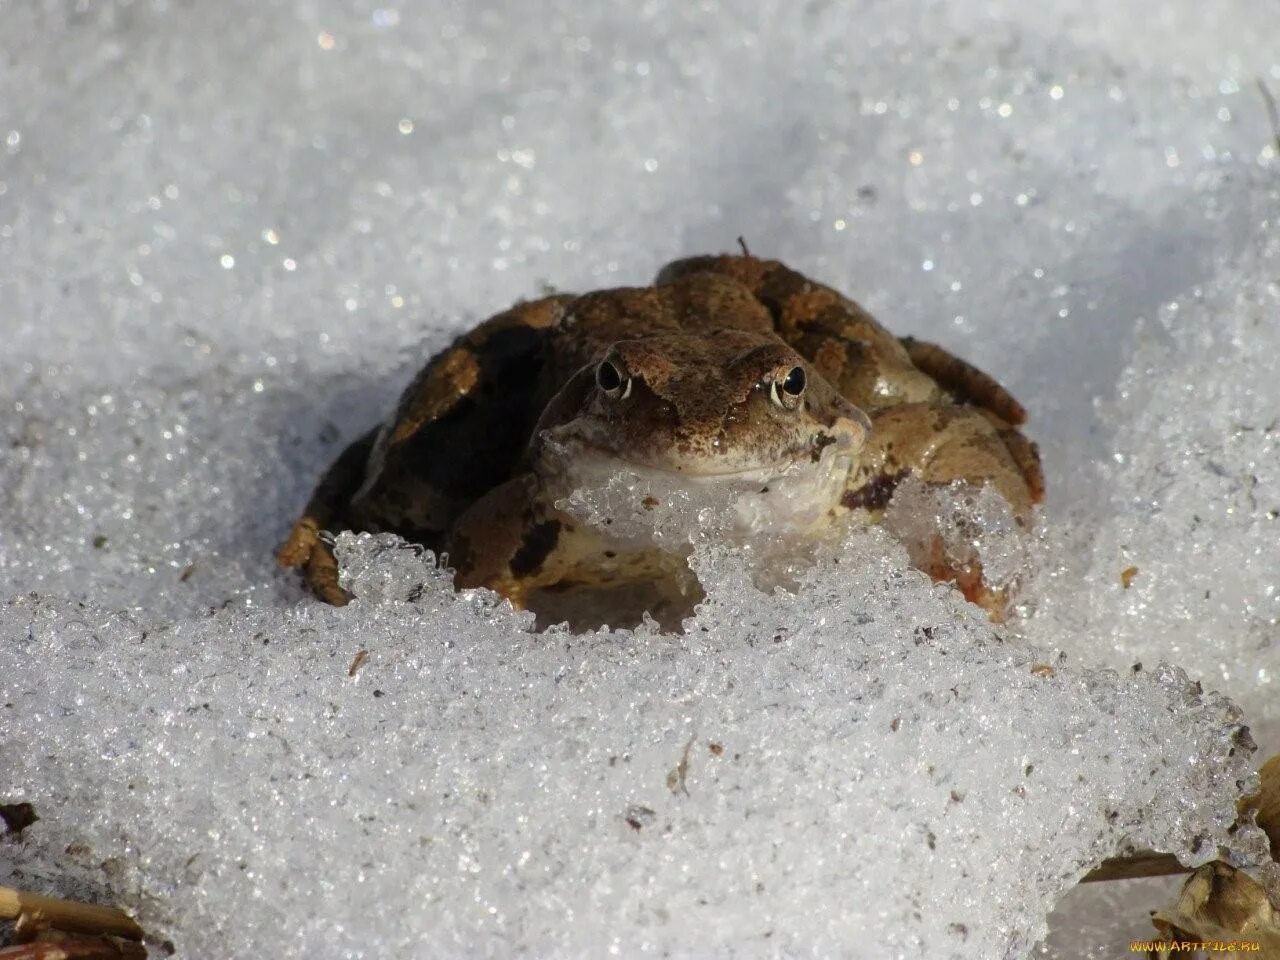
point(875, 494)
point(537, 545)
point(799, 306)
point(492, 424)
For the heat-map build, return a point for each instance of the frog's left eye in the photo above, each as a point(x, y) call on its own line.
point(792, 386)
point(794, 383)
point(610, 379)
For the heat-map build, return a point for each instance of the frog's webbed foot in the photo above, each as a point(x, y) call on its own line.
point(304, 547)
point(967, 575)
point(321, 571)
point(940, 443)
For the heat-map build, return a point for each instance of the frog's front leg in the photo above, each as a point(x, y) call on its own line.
point(509, 542)
point(563, 569)
point(941, 443)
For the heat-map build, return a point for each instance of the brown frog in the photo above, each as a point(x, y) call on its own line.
point(728, 370)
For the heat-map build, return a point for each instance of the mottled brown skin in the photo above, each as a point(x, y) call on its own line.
point(465, 464)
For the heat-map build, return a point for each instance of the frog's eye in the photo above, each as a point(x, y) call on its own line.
point(794, 383)
point(610, 379)
point(792, 387)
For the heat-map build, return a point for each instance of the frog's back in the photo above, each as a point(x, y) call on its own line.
point(697, 305)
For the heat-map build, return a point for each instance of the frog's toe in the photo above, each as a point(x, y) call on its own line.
point(995, 602)
point(322, 576)
point(303, 538)
point(307, 550)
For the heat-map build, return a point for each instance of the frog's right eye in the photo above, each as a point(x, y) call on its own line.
point(610, 379)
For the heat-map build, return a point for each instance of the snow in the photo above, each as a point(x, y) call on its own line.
point(229, 234)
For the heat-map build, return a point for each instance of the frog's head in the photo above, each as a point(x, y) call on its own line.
point(715, 404)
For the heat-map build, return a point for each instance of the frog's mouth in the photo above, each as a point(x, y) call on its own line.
point(585, 460)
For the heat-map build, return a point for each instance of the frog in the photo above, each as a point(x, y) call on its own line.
point(727, 371)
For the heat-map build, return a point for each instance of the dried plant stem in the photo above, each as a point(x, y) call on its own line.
point(67, 914)
point(1144, 863)
point(76, 948)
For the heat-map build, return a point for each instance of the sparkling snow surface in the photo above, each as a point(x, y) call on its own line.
point(229, 233)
